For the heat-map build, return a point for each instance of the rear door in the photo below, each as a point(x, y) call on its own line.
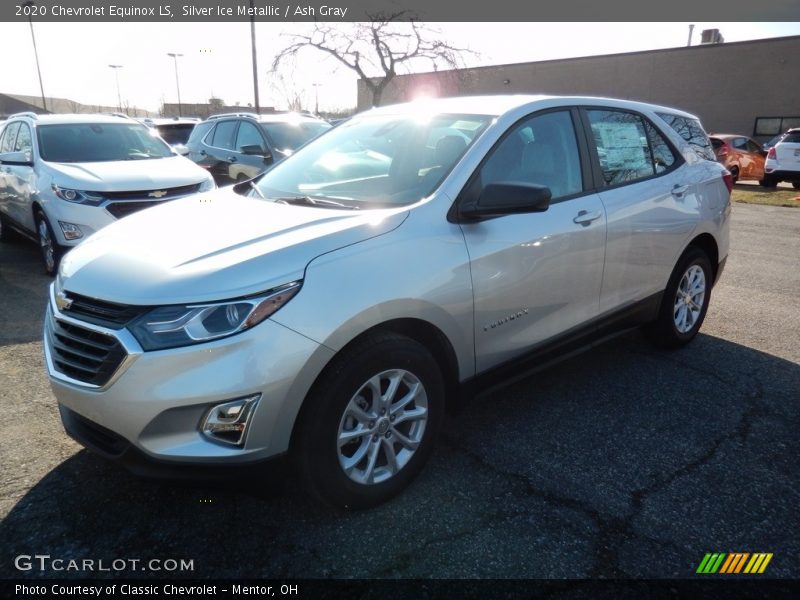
point(650, 203)
point(535, 275)
point(219, 147)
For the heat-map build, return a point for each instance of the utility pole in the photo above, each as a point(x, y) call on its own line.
point(255, 59)
point(116, 75)
point(175, 56)
point(30, 3)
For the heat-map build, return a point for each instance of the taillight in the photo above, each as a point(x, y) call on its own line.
point(723, 150)
point(728, 179)
point(771, 153)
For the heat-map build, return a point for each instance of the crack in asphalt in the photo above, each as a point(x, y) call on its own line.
point(611, 533)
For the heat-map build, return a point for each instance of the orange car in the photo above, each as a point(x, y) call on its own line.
point(743, 157)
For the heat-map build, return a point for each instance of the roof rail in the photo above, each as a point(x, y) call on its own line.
point(236, 114)
point(27, 113)
point(117, 114)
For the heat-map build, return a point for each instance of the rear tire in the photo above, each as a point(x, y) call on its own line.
point(796, 185)
point(734, 173)
point(50, 249)
point(768, 182)
point(685, 301)
point(369, 424)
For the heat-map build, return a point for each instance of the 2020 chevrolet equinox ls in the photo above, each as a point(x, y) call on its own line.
point(329, 308)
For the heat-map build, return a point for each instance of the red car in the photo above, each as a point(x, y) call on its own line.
point(743, 157)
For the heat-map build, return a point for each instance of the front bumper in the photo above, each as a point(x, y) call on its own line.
point(155, 401)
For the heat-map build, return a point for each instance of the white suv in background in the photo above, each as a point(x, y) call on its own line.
point(783, 160)
point(331, 308)
point(63, 177)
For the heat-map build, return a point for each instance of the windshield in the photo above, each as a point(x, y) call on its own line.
point(99, 142)
point(288, 137)
point(376, 161)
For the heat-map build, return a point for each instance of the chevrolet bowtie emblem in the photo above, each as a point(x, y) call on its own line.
point(62, 302)
point(157, 194)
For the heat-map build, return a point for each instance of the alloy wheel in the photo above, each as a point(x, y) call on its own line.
point(382, 426)
point(689, 299)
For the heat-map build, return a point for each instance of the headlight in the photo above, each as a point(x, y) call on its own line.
point(207, 185)
point(77, 196)
point(173, 326)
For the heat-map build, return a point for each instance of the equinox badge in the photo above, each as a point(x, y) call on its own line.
point(504, 320)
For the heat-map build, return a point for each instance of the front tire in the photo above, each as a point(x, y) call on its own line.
point(369, 424)
point(768, 182)
point(50, 250)
point(685, 301)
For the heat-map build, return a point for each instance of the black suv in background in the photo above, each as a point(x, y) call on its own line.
point(236, 147)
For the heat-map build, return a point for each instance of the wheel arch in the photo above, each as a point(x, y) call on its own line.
point(419, 330)
point(707, 243)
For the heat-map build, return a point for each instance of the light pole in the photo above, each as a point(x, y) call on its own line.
point(316, 98)
point(30, 3)
point(175, 56)
point(255, 60)
point(116, 76)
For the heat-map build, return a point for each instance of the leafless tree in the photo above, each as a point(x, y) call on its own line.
point(376, 50)
point(284, 87)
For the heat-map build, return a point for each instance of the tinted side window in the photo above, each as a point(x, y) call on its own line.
point(791, 138)
point(9, 137)
point(739, 143)
point(199, 132)
point(248, 136)
point(753, 147)
point(542, 150)
point(691, 131)
point(622, 146)
point(223, 135)
point(663, 156)
point(24, 143)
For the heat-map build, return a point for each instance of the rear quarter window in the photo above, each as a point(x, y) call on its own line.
point(692, 131)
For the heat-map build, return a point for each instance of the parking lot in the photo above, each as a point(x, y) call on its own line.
point(625, 461)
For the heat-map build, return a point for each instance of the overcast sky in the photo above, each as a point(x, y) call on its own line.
point(74, 58)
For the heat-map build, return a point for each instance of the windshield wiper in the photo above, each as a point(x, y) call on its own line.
point(258, 191)
point(319, 202)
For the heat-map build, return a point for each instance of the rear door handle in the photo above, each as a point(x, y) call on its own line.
point(679, 190)
point(585, 217)
point(232, 159)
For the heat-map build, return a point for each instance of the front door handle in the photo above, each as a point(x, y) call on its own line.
point(585, 217)
point(679, 190)
point(232, 159)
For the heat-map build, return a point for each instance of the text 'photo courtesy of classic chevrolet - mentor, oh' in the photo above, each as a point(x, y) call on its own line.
point(327, 311)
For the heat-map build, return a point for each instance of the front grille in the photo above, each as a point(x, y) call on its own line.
point(100, 312)
point(174, 192)
point(83, 354)
point(127, 203)
point(119, 210)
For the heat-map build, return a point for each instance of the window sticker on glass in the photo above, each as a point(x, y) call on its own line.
point(623, 145)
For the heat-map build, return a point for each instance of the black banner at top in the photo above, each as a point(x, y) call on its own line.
point(424, 10)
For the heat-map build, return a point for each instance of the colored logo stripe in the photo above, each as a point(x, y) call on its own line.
point(758, 563)
point(724, 563)
point(711, 562)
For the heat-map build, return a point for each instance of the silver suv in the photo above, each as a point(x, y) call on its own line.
point(331, 308)
point(63, 177)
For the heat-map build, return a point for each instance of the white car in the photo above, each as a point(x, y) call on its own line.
point(63, 177)
point(331, 314)
point(783, 160)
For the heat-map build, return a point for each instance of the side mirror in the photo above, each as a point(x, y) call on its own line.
point(181, 149)
point(257, 150)
point(16, 158)
point(508, 198)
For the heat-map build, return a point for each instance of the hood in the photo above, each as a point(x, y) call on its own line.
point(128, 175)
point(212, 246)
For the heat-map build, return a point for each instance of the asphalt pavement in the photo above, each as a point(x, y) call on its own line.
point(625, 461)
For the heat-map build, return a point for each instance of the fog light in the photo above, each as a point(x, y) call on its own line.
point(70, 230)
point(228, 422)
